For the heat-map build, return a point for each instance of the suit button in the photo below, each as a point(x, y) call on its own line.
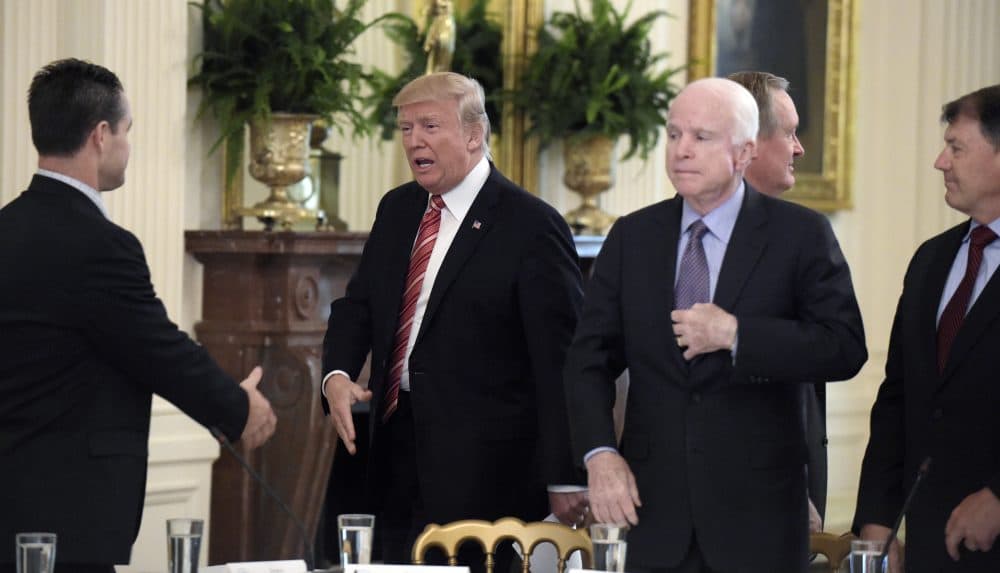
point(937, 414)
point(695, 397)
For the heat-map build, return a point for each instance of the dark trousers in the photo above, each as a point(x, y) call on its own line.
point(401, 517)
point(693, 562)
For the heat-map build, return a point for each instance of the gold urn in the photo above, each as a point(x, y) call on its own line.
point(279, 157)
point(589, 172)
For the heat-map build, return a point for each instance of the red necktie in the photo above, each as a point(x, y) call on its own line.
point(421, 254)
point(954, 312)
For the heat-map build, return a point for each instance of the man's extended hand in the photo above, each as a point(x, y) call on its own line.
point(976, 520)
point(614, 495)
point(570, 507)
point(261, 420)
point(875, 532)
point(815, 520)
point(341, 393)
point(703, 328)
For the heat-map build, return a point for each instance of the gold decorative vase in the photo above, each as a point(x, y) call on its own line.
point(589, 172)
point(279, 157)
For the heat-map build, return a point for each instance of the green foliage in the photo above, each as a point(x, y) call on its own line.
point(597, 76)
point(293, 56)
point(477, 55)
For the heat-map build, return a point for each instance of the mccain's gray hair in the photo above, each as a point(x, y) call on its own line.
point(760, 85)
point(448, 85)
point(739, 102)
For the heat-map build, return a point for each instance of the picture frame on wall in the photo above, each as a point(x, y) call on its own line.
point(809, 43)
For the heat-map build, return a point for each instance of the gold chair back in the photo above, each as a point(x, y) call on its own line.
point(489, 534)
point(834, 547)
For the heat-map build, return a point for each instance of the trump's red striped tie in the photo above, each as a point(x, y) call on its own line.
point(421, 254)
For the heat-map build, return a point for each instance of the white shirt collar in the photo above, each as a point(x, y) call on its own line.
point(87, 190)
point(459, 200)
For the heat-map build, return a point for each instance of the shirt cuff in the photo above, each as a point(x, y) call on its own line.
point(560, 488)
point(322, 387)
point(595, 451)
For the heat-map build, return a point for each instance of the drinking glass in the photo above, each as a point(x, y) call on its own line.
point(866, 557)
point(355, 531)
point(183, 544)
point(608, 540)
point(36, 552)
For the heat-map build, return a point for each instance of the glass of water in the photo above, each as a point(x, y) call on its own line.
point(355, 531)
point(36, 552)
point(866, 557)
point(184, 544)
point(608, 540)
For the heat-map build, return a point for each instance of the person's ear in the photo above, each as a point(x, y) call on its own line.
point(100, 134)
point(474, 137)
point(745, 154)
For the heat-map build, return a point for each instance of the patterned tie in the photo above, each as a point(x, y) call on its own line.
point(422, 249)
point(692, 280)
point(954, 312)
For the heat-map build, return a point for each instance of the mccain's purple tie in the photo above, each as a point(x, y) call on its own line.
point(693, 278)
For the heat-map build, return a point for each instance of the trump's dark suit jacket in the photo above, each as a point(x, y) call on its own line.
point(953, 417)
point(718, 449)
point(485, 370)
point(84, 344)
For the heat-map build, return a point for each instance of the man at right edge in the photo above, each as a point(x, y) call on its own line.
point(941, 397)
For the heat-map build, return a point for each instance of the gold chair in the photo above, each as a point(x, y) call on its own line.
point(489, 534)
point(834, 547)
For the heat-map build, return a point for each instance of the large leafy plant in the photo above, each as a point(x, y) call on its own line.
point(477, 55)
point(596, 75)
point(293, 56)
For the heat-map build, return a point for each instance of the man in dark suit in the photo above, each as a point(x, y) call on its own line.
point(713, 438)
point(466, 296)
point(772, 172)
point(940, 398)
point(84, 342)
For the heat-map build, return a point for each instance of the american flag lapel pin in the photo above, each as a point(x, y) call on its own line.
point(477, 224)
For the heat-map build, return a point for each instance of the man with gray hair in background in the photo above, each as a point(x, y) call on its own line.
point(772, 172)
point(720, 301)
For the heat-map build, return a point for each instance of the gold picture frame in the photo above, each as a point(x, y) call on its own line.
point(827, 78)
point(516, 155)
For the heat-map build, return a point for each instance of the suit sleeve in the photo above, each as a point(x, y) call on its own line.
point(880, 491)
point(550, 293)
point(824, 340)
point(348, 338)
point(129, 328)
point(596, 357)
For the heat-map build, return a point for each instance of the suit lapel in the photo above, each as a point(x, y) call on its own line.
point(477, 224)
point(746, 244)
point(663, 238)
point(929, 298)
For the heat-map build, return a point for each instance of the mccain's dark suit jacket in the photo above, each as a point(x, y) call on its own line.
point(952, 417)
point(718, 450)
point(84, 344)
point(485, 370)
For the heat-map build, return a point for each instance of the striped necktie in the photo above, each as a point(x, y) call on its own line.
point(421, 254)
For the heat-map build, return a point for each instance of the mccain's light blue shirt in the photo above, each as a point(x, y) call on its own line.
point(991, 260)
point(720, 222)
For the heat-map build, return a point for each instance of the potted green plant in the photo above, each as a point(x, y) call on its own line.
point(277, 65)
point(477, 55)
point(593, 79)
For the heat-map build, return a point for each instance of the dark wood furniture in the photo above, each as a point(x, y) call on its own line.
point(266, 300)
